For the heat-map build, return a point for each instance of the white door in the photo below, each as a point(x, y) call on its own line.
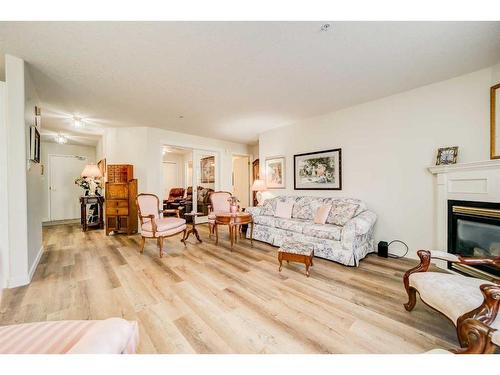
point(241, 179)
point(170, 177)
point(64, 194)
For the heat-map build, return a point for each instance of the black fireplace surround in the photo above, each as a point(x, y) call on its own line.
point(474, 230)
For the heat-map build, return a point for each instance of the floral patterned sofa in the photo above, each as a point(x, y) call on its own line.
point(346, 237)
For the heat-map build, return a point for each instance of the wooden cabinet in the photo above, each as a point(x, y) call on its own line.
point(121, 191)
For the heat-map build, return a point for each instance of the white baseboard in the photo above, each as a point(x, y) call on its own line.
point(14, 282)
point(35, 263)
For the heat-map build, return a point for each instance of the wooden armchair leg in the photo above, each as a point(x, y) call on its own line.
point(143, 241)
point(184, 235)
point(425, 261)
point(160, 243)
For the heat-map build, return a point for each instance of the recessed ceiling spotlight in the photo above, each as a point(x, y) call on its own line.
point(78, 123)
point(325, 27)
point(181, 116)
point(61, 139)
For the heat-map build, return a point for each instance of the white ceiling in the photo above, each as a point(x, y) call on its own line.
point(232, 80)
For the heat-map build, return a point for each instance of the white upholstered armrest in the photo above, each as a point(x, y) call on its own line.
point(254, 210)
point(443, 256)
point(495, 338)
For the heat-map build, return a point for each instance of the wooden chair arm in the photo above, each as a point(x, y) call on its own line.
point(153, 222)
point(478, 338)
point(474, 261)
point(423, 266)
point(487, 312)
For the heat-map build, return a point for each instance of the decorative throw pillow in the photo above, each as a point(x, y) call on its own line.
point(321, 214)
point(341, 213)
point(284, 209)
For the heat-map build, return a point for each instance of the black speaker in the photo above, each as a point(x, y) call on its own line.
point(383, 249)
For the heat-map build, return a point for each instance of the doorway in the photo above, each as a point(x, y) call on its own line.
point(196, 171)
point(241, 179)
point(64, 195)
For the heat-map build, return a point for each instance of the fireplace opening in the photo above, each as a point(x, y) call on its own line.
point(474, 230)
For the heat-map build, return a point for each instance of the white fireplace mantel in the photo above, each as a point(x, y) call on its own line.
point(477, 181)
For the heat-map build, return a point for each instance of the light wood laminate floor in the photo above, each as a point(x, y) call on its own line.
point(204, 298)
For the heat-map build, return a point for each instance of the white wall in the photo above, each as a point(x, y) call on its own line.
point(387, 146)
point(4, 199)
point(16, 172)
point(142, 147)
point(51, 148)
point(33, 177)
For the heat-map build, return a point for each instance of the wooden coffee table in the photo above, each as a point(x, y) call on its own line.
point(234, 222)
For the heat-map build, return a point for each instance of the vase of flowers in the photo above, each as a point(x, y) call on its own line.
point(233, 204)
point(89, 185)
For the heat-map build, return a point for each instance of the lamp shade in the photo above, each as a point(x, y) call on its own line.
point(91, 170)
point(259, 185)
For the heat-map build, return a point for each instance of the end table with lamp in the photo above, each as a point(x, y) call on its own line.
point(91, 204)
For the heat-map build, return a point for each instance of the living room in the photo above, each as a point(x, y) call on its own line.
point(285, 187)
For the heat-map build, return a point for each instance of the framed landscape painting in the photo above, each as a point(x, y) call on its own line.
point(320, 170)
point(275, 173)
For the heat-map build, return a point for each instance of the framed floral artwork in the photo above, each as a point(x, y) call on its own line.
point(275, 172)
point(321, 170)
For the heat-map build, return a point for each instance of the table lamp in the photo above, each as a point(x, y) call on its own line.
point(259, 186)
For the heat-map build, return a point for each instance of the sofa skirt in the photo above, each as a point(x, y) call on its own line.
point(323, 248)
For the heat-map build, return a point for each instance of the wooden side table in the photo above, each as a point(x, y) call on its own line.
point(96, 218)
point(234, 222)
point(193, 216)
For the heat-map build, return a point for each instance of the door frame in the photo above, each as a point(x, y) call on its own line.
point(49, 177)
point(250, 175)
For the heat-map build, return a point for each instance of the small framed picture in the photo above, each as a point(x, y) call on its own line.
point(447, 155)
point(275, 172)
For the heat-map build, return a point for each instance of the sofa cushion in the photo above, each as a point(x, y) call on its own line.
point(284, 209)
point(269, 206)
point(269, 221)
point(305, 207)
point(294, 225)
point(341, 212)
point(322, 213)
point(326, 231)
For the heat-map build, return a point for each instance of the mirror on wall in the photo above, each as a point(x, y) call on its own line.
point(495, 122)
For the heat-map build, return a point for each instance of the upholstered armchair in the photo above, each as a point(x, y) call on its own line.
point(153, 225)
point(174, 195)
point(455, 296)
point(219, 202)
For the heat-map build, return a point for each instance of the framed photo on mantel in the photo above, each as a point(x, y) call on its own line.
point(321, 170)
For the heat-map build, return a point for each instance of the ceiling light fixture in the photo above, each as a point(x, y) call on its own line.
point(325, 27)
point(78, 123)
point(61, 139)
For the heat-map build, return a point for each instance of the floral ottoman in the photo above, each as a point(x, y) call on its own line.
point(296, 251)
